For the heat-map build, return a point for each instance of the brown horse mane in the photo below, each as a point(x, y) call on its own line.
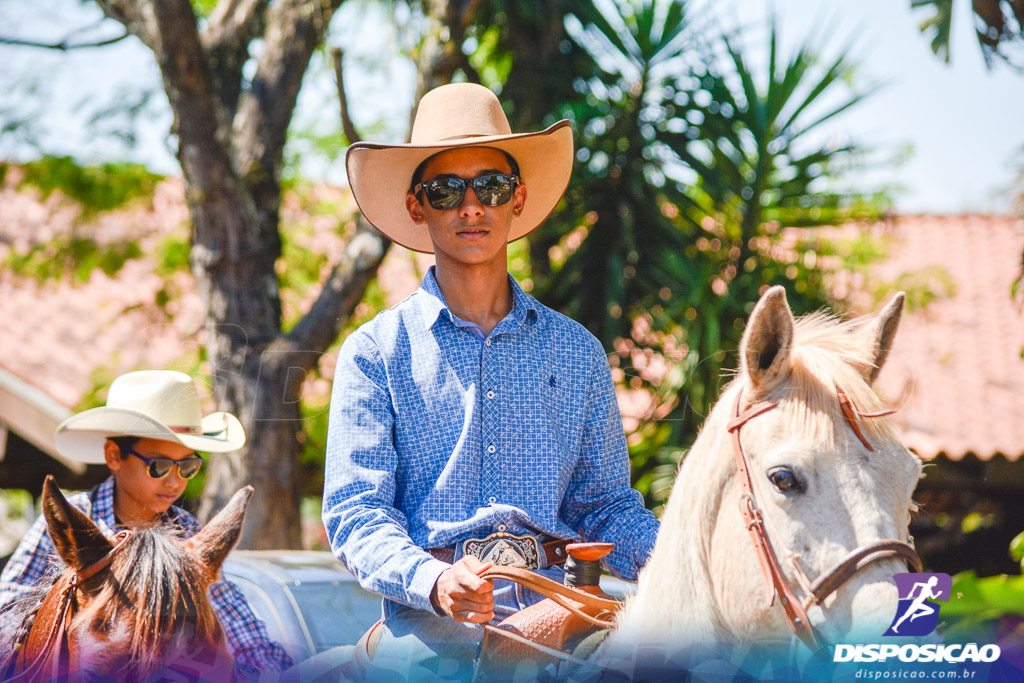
point(155, 597)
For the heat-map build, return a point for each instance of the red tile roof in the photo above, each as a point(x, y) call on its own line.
point(958, 362)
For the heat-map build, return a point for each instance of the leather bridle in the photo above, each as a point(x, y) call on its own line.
point(43, 652)
point(836, 576)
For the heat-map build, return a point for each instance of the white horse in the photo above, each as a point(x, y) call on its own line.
point(826, 484)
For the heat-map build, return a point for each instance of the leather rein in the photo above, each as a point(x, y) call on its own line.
point(836, 576)
point(571, 599)
point(44, 649)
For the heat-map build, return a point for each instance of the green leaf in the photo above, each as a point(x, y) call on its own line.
point(687, 168)
point(1017, 547)
point(938, 24)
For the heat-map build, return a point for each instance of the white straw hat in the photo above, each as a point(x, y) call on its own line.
point(153, 404)
point(450, 117)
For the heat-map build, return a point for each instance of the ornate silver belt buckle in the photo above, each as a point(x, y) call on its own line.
point(505, 550)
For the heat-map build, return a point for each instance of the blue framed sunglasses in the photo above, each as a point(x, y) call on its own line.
point(158, 468)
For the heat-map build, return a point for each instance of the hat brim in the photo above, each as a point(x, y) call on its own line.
point(379, 176)
point(80, 437)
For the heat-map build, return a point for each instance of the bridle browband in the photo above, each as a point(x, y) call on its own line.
point(836, 576)
point(45, 644)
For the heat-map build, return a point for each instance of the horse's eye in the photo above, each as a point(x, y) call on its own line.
point(785, 480)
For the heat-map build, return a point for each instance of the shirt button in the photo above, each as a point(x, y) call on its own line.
point(487, 343)
point(501, 527)
point(491, 449)
point(490, 394)
point(492, 499)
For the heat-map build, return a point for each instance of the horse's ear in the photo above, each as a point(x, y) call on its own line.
point(217, 538)
point(77, 540)
point(764, 350)
point(879, 333)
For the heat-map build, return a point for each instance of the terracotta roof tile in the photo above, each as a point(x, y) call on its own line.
point(960, 359)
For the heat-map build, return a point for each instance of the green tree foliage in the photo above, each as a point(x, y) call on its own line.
point(67, 255)
point(521, 49)
point(690, 163)
point(93, 189)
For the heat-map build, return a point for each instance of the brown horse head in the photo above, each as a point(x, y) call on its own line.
point(128, 608)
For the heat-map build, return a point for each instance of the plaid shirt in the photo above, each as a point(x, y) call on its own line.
point(438, 434)
point(246, 635)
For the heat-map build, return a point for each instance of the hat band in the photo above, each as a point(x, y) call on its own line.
point(186, 430)
point(198, 431)
point(470, 136)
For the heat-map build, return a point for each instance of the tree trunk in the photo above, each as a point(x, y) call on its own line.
point(231, 135)
point(266, 396)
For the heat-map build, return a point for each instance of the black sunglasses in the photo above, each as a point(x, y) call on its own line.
point(158, 468)
point(447, 192)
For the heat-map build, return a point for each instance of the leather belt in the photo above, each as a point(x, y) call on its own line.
point(554, 552)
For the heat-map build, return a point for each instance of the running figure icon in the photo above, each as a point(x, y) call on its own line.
point(919, 607)
point(915, 614)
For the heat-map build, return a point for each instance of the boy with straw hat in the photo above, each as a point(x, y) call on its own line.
point(148, 434)
point(469, 424)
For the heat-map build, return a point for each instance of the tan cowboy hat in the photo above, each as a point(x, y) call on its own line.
point(449, 117)
point(153, 404)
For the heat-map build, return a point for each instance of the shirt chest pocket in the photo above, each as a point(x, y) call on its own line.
point(562, 406)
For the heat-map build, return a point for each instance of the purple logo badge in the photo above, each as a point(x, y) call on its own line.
point(916, 615)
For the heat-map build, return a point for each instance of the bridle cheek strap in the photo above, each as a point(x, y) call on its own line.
point(775, 582)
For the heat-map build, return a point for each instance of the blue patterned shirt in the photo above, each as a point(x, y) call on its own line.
point(438, 434)
point(246, 635)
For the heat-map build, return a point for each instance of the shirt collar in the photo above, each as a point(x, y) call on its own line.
point(435, 305)
point(103, 504)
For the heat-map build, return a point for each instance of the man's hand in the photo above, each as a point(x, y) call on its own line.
point(462, 594)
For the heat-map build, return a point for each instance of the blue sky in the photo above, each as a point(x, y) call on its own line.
point(961, 121)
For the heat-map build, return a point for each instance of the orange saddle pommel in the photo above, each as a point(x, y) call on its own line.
point(567, 615)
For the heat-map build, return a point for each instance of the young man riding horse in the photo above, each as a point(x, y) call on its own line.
point(147, 434)
point(469, 421)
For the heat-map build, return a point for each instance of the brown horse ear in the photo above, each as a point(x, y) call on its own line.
point(77, 540)
point(879, 333)
point(217, 538)
point(764, 350)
